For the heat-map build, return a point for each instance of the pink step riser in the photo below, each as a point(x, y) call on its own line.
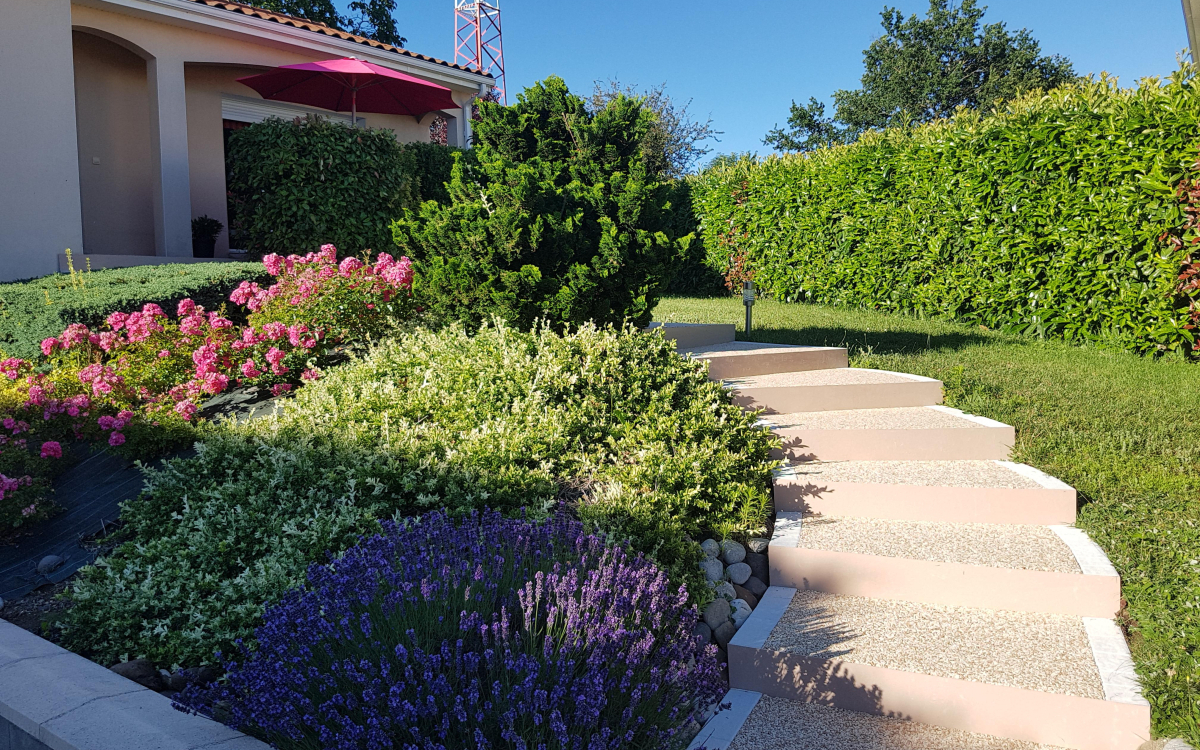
point(938, 444)
point(772, 363)
point(999, 710)
point(950, 584)
point(788, 400)
point(905, 502)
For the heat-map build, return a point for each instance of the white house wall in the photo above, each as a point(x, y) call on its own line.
point(39, 170)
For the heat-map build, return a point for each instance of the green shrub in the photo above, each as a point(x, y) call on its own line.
point(295, 185)
point(31, 311)
point(691, 274)
point(613, 426)
point(1042, 218)
point(430, 165)
point(562, 220)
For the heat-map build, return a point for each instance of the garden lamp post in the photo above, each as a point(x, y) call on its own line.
point(748, 301)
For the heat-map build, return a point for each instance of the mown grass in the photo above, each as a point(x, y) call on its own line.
point(1123, 430)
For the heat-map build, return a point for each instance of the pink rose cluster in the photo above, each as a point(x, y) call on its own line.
point(10, 485)
point(301, 278)
point(145, 362)
point(114, 425)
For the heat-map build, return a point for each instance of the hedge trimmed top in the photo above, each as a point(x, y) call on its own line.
point(1042, 218)
point(34, 310)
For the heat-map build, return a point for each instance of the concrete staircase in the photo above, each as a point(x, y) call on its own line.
point(926, 593)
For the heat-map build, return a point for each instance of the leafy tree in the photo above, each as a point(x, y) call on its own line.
point(373, 20)
point(673, 143)
point(562, 219)
point(923, 69)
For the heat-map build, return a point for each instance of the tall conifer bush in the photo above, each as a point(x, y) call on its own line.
point(563, 218)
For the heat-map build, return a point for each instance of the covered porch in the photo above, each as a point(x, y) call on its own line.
point(130, 101)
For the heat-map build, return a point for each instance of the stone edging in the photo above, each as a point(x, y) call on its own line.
point(1091, 558)
point(1113, 662)
point(723, 727)
point(51, 698)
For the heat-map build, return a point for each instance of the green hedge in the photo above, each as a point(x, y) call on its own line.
point(295, 185)
point(34, 310)
point(1043, 218)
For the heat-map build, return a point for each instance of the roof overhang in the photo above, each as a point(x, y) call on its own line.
point(256, 30)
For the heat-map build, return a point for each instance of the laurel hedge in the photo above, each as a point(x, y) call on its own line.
point(1044, 217)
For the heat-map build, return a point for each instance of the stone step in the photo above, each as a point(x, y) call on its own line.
point(743, 359)
point(691, 335)
point(833, 390)
point(951, 491)
point(921, 433)
point(1057, 680)
point(781, 724)
point(1050, 569)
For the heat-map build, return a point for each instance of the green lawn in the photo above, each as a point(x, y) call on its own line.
point(1123, 430)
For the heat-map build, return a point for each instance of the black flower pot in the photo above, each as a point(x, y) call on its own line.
point(203, 247)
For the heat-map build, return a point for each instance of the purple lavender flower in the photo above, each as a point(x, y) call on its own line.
point(492, 633)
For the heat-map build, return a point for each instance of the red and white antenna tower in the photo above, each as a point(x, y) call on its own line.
point(477, 41)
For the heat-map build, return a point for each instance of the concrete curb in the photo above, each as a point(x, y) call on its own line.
point(719, 731)
point(53, 699)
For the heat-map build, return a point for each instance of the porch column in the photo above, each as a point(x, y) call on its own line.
point(40, 213)
point(461, 129)
point(169, 151)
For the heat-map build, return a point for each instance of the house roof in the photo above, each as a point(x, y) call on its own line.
point(300, 23)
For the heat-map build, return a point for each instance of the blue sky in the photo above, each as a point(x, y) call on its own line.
point(744, 61)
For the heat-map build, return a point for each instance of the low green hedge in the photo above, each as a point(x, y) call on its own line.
point(31, 311)
point(613, 426)
point(1042, 218)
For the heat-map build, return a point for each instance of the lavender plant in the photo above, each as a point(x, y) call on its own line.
point(489, 633)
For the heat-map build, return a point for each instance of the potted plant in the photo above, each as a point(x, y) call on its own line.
point(204, 236)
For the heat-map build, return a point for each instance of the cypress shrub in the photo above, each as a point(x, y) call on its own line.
point(1045, 217)
point(563, 219)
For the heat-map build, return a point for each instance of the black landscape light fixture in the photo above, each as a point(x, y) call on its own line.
point(748, 301)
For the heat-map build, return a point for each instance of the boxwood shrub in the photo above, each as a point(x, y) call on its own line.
point(610, 425)
point(1042, 218)
point(31, 311)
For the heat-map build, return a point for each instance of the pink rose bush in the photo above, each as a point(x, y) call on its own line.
point(145, 374)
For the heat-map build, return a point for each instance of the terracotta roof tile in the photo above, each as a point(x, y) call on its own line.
point(300, 23)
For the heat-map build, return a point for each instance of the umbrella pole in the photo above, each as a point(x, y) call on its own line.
point(354, 107)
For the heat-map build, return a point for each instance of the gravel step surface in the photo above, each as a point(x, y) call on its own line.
point(990, 474)
point(1034, 651)
point(1020, 547)
point(900, 418)
point(780, 724)
point(736, 348)
point(838, 376)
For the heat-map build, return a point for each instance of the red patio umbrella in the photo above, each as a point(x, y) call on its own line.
point(350, 84)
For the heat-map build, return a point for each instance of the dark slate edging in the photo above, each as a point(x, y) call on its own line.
point(91, 493)
point(52, 698)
